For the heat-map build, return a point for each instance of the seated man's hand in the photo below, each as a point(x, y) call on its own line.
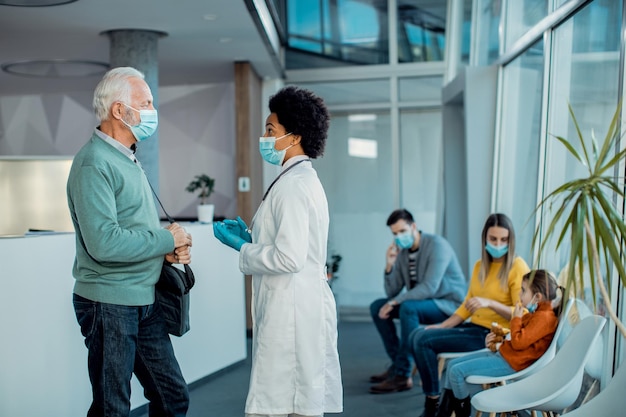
point(386, 309)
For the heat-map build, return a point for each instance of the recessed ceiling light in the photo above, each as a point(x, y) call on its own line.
point(55, 68)
point(225, 40)
point(210, 16)
point(34, 3)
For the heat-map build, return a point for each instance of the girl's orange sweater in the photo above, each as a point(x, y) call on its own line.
point(530, 336)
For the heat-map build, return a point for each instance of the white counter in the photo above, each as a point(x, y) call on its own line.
point(43, 359)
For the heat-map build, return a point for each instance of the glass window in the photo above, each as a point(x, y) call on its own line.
point(337, 33)
point(351, 92)
point(421, 30)
point(420, 89)
point(520, 134)
point(584, 74)
point(359, 188)
point(467, 32)
point(521, 16)
point(421, 162)
point(487, 32)
point(305, 26)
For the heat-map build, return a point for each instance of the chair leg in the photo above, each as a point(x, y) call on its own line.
point(589, 392)
point(440, 365)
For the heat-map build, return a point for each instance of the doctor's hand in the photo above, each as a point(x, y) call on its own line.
point(239, 227)
point(227, 236)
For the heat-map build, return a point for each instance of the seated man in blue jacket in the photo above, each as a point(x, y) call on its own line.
point(426, 267)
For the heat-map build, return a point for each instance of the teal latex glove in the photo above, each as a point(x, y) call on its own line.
point(239, 227)
point(226, 236)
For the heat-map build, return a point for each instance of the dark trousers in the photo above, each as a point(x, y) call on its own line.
point(123, 340)
point(411, 313)
point(427, 344)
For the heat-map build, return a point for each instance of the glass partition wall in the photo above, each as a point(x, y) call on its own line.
point(569, 63)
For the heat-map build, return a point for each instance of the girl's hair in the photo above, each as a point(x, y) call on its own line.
point(114, 86)
point(498, 220)
point(543, 282)
point(303, 113)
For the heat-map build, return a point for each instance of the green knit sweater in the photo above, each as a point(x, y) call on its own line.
point(120, 244)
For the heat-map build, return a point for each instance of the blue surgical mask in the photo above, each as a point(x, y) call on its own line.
point(405, 240)
point(149, 120)
point(269, 152)
point(531, 307)
point(496, 251)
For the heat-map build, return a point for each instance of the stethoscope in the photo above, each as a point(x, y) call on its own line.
point(270, 187)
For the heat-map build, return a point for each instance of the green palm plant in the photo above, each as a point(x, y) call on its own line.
point(587, 215)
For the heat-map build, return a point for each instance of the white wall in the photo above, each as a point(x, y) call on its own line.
point(196, 134)
point(43, 359)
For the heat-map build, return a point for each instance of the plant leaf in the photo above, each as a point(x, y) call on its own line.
point(580, 136)
point(571, 149)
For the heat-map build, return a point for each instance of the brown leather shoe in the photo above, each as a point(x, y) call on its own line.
point(393, 384)
point(380, 377)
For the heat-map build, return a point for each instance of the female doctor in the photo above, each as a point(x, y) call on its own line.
point(295, 364)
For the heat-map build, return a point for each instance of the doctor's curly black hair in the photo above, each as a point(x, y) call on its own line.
point(302, 113)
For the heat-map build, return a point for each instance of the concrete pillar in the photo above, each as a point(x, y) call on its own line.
point(138, 49)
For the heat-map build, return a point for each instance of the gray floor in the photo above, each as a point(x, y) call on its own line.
point(361, 354)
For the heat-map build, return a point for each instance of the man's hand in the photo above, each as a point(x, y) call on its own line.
point(181, 237)
point(180, 255)
point(392, 255)
point(386, 309)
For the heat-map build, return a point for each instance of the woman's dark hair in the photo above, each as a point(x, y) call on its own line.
point(498, 220)
point(543, 282)
point(400, 214)
point(302, 113)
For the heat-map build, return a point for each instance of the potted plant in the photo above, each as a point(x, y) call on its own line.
point(205, 184)
point(586, 214)
point(332, 268)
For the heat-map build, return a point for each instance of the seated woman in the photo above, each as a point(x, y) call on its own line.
point(494, 290)
point(530, 336)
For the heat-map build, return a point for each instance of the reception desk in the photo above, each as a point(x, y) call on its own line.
point(43, 359)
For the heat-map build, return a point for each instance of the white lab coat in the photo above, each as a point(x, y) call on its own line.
point(295, 364)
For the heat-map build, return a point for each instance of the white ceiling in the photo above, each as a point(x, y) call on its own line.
point(196, 50)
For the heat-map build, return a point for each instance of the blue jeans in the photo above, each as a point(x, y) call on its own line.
point(126, 339)
point(411, 313)
point(427, 344)
point(480, 363)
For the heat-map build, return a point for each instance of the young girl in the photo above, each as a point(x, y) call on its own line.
point(531, 334)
